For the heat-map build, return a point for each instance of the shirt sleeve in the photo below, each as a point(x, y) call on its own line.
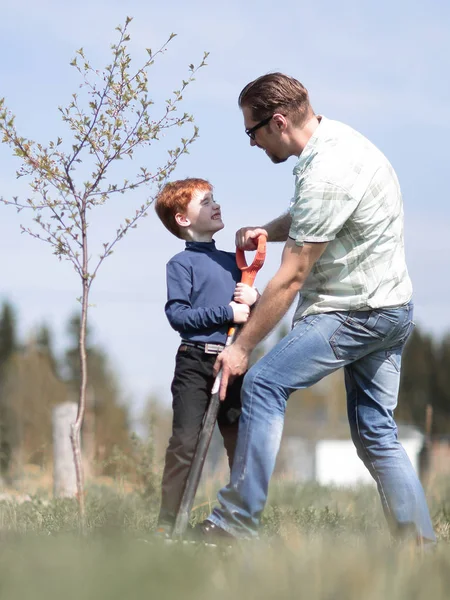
point(319, 210)
point(182, 317)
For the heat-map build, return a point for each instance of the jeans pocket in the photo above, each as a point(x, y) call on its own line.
point(360, 334)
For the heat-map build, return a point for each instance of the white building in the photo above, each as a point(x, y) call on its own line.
point(335, 461)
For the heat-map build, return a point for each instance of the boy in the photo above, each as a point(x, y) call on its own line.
point(204, 297)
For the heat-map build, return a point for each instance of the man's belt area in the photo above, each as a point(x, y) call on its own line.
point(207, 348)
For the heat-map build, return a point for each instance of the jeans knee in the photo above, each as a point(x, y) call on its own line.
point(260, 390)
point(374, 444)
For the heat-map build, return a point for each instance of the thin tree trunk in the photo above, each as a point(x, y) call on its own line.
point(88, 437)
point(75, 435)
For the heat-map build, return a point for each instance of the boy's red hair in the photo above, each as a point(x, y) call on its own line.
point(175, 197)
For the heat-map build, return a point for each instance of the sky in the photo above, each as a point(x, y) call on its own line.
point(382, 68)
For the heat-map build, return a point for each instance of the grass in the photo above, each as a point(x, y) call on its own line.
point(316, 543)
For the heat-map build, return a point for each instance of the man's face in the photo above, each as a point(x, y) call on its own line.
point(268, 138)
point(203, 213)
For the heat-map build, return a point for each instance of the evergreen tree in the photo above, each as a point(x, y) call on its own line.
point(8, 341)
point(419, 379)
point(31, 390)
point(441, 399)
point(8, 345)
point(44, 340)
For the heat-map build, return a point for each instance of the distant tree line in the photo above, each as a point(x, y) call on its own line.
point(426, 380)
point(33, 380)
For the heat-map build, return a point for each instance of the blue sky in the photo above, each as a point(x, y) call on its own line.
point(382, 67)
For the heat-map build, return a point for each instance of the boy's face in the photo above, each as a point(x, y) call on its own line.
point(202, 218)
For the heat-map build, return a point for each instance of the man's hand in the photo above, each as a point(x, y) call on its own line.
point(247, 237)
point(275, 231)
point(233, 361)
point(240, 312)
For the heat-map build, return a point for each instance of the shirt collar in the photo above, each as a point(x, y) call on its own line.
point(201, 246)
point(312, 147)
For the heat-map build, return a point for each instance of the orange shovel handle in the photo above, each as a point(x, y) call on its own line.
point(249, 271)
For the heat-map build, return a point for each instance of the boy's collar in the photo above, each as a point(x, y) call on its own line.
point(191, 245)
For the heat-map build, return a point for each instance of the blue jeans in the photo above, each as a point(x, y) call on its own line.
point(368, 345)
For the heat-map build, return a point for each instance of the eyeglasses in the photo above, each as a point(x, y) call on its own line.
point(251, 132)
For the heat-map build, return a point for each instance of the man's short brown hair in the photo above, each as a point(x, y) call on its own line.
point(175, 197)
point(274, 93)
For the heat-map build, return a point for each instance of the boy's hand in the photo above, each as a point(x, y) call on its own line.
point(245, 294)
point(240, 312)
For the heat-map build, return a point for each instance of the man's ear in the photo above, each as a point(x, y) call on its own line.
point(280, 121)
point(182, 220)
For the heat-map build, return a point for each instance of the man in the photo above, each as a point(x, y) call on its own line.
point(344, 253)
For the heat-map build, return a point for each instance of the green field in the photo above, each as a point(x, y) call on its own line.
point(316, 543)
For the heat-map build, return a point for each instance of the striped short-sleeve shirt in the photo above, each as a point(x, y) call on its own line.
point(347, 194)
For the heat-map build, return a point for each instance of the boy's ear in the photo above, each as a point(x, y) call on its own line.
point(182, 220)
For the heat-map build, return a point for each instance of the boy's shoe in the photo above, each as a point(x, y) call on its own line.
point(211, 534)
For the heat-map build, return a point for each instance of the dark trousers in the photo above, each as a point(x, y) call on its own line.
point(191, 392)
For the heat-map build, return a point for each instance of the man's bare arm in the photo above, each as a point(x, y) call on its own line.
point(296, 264)
point(278, 229)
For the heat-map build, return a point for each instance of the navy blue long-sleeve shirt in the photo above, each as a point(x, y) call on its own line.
point(200, 285)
